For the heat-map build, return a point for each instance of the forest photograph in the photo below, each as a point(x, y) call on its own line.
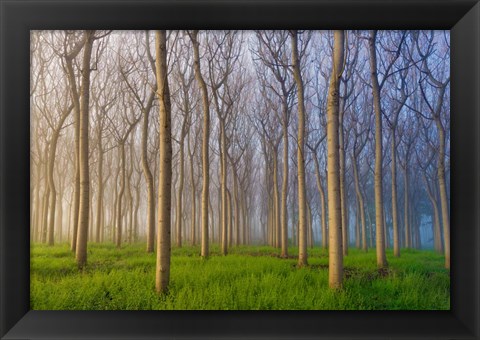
point(240, 170)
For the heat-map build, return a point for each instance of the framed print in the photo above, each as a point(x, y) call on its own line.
point(112, 129)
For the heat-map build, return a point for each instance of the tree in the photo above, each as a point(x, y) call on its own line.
point(193, 134)
point(438, 84)
point(265, 122)
point(380, 235)
point(143, 92)
point(223, 48)
point(317, 144)
point(121, 135)
point(205, 146)
point(54, 108)
point(425, 160)
point(302, 204)
point(348, 88)
point(69, 58)
point(51, 162)
point(359, 142)
point(104, 97)
point(335, 262)
point(408, 132)
point(399, 99)
point(185, 106)
point(272, 52)
point(83, 214)
point(162, 276)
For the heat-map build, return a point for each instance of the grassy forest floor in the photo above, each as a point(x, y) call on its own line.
point(249, 278)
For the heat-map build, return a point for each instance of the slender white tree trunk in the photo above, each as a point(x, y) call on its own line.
point(84, 208)
point(380, 235)
point(335, 263)
point(162, 276)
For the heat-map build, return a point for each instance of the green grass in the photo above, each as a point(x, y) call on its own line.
point(249, 278)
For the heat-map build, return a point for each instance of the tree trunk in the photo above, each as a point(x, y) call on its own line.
point(357, 225)
point(90, 218)
point(180, 193)
point(380, 237)
point(148, 179)
point(276, 204)
point(76, 205)
point(396, 240)
point(292, 222)
point(59, 222)
point(310, 226)
point(335, 263)
point(83, 214)
point(130, 202)
point(76, 106)
point(270, 222)
point(120, 196)
point(223, 186)
point(70, 209)
point(135, 216)
point(322, 202)
point(46, 199)
point(46, 202)
point(219, 211)
point(229, 217)
point(205, 144)
point(343, 197)
point(360, 204)
point(236, 209)
point(51, 182)
point(302, 199)
point(243, 209)
point(387, 235)
point(283, 209)
point(194, 195)
point(418, 239)
point(370, 228)
point(437, 236)
point(36, 220)
point(51, 220)
point(436, 226)
point(162, 276)
point(212, 225)
point(443, 191)
point(31, 211)
point(115, 207)
point(408, 238)
point(99, 185)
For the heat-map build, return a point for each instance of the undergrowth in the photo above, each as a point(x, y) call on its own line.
point(248, 278)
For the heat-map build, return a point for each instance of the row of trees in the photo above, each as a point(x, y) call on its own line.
point(271, 137)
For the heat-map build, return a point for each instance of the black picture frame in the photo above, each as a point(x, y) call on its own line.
point(18, 17)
